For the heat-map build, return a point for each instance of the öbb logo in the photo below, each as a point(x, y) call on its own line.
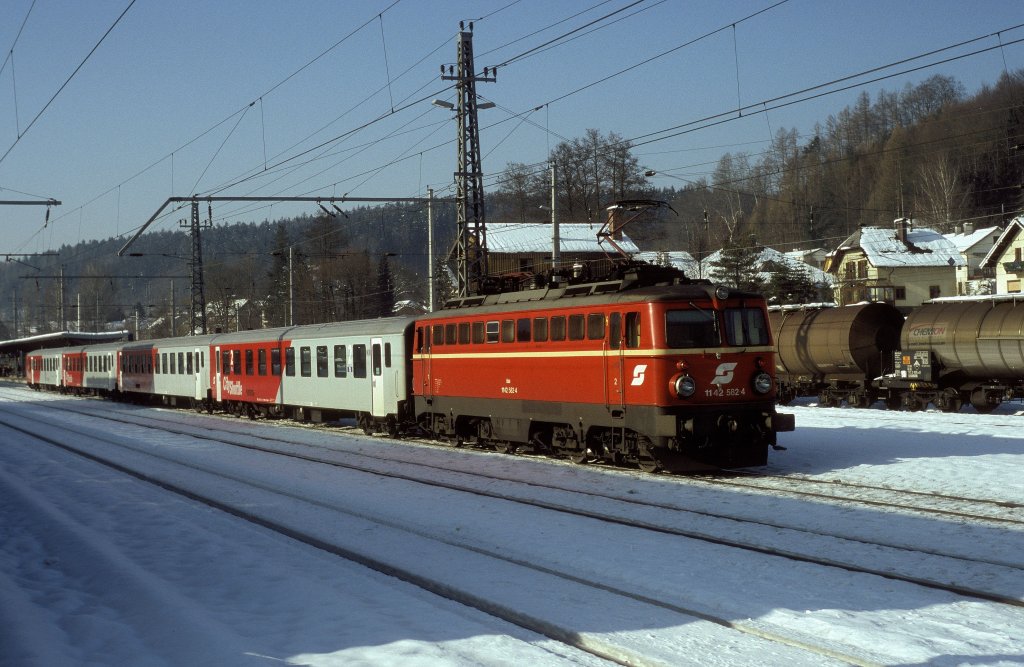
point(638, 375)
point(724, 373)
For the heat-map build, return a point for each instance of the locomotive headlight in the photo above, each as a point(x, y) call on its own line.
point(685, 386)
point(762, 383)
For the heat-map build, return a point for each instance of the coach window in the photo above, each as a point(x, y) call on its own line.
point(558, 327)
point(163, 362)
point(249, 363)
point(275, 361)
point(305, 362)
point(615, 330)
point(449, 334)
point(633, 330)
point(492, 331)
point(595, 326)
point(478, 332)
point(387, 355)
point(508, 331)
point(377, 360)
point(261, 361)
point(289, 362)
point(463, 333)
point(322, 362)
point(340, 361)
point(225, 363)
point(576, 327)
point(181, 363)
point(540, 329)
point(438, 335)
point(523, 330)
point(188, 363)
point(359, 360)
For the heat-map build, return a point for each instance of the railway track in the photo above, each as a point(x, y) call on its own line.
point(959, 507)
point(252, 500)
point(984, 575)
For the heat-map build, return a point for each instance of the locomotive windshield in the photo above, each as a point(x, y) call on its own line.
point(691, 328)
point(746, 326)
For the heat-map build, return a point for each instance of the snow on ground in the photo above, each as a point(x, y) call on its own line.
point(97, 568)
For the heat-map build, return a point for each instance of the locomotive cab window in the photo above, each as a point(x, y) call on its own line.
point(746, 326)
point(438, 335)
point(615, 331)
point(691, 328)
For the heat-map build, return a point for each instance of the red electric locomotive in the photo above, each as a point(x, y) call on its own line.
point(673, 376)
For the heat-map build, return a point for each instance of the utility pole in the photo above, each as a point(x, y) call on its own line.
point(197, 321)
point(556, 241)
point(471, 238)
point(430, 249)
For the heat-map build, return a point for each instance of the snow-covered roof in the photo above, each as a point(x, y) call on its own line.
point(924, 247)
point(1010, 233)
point(965, 242)
point(679, 259)
point(816, 275)
point(536, 238)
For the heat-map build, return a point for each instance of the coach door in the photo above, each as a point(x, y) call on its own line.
point(216, 361)
point(200, 385)
point(379, 407)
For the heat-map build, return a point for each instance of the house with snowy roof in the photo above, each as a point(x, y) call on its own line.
point(902, 265)
point(525, 248)
point(678, 259)
point(1006, 258)
point(764, 263)
point(974, 245)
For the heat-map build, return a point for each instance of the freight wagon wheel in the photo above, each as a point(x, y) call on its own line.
point(950, 401)
point(578, 456)
point(980, 402)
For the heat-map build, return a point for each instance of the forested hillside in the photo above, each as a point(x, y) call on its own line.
point(931, 152)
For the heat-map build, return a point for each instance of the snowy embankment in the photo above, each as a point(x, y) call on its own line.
point(100, 568)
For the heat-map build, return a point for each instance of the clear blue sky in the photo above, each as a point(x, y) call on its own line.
point(170, 71)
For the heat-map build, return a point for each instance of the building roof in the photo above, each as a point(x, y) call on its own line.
point(524, 238)
point(679, 259)
point(965, 242)
point(1005, 239)
point(924, 247)
point(816, 275)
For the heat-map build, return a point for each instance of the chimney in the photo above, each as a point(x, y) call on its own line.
point(901, 230)
point(968, 228)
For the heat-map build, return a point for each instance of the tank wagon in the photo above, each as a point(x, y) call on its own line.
point(960, 351)
point(947, 353)
point(834, 353)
